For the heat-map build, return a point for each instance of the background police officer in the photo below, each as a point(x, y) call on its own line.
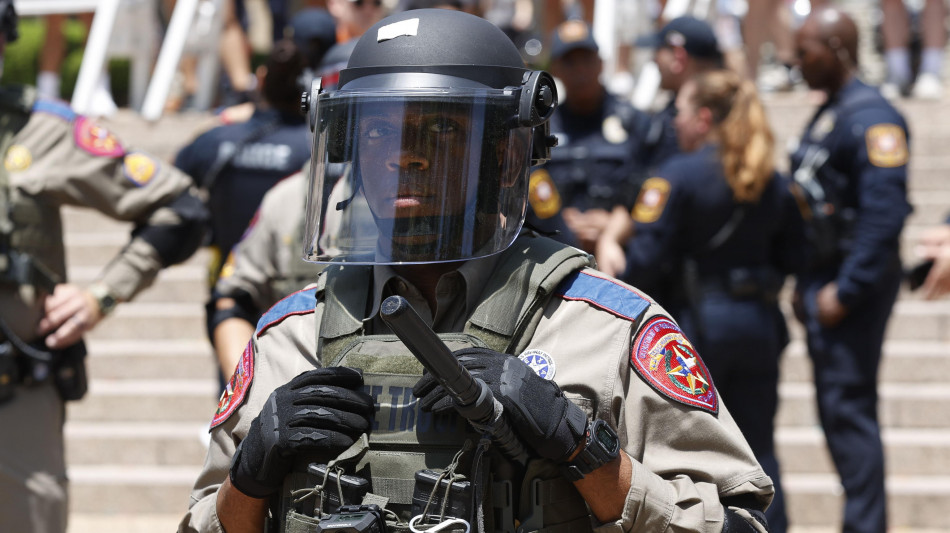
point(437, 121)
point(851, 168)
point(597, 162)
point(51, 158)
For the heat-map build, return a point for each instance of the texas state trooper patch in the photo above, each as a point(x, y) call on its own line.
point(95, 139)
point(234, 393)
point(540, 361)
point(667, 361)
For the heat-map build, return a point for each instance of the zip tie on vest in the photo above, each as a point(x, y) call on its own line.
point(441, 526)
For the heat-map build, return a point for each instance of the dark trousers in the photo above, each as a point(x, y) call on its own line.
point(741, 342)
point(846, 359)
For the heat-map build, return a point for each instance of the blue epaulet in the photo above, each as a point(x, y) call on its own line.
point(54, 107)
point(605, 293)
point(301, 302)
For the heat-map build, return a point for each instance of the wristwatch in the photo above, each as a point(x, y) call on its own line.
point(104, 298)
point(601, 446)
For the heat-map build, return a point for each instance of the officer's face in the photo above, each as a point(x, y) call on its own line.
point(409, 163)
point(692, 123)
point(579, 71)
point(815, 59)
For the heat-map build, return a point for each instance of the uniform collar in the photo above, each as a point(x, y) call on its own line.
point(473, 274)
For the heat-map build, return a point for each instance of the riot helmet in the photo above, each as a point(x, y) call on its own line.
point(421, 152)
point(8, 21)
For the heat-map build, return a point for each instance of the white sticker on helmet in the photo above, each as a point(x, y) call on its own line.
point(409, 27)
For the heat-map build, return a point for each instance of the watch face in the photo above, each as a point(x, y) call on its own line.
point(606, 437)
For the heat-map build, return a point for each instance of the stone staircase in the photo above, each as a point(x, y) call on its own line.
point(135, 443)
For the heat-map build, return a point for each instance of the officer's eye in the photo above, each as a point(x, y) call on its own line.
point(377, 129)
point(443, 126)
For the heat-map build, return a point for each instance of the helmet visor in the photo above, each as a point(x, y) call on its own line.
point(416, 176)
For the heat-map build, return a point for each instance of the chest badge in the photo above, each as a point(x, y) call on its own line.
point(613, 130)
point(540, 361)
point(667, 361)
point(823, 126)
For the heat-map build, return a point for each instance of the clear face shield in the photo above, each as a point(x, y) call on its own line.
point(416, 175)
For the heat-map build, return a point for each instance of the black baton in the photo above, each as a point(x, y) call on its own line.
point(473, 398)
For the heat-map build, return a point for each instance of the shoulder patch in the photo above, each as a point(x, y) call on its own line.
point(667, 361)
point(604, 293)
point(54, 107)
point(95, 139)
point(887, 145)
point(651, 200)
point(18, 158)
point(233, 395)
point(301, 302)
point(543, 194)
point(139, 168)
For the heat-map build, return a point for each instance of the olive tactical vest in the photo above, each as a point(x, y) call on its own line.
point(28, 227)
point(404, 440)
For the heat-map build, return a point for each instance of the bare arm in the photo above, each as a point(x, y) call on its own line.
point(239, 513)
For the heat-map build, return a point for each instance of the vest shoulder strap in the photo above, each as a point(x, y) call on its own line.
point(528, 273)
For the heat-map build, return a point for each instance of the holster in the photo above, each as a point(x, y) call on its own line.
point(66, 369)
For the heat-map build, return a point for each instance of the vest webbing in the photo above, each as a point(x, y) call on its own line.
point(527, 274)
point(16, 105)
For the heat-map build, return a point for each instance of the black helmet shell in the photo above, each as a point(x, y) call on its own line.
point(434, 42)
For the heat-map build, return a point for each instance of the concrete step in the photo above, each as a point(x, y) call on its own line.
point(185, 283)
point(125, 489)
point(83, 522)
point(909, 452)
point(95, 248)
point(153, 320)
point(172, 400)
point(903, 406)
point(913, 501)
point(904, 361)
point(136, 443)
point(150, 359)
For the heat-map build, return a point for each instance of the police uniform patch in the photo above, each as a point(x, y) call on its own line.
point(543, 194)
point(651, 200)
point(887, 145)
point(18, 158)
point(539, 361)
point(613, 130)
point(234, 394)
point(667, 361)
point(95, 139)
point(139, 168)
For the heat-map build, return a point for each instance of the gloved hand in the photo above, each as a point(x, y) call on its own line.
point(320, 411)
point(536, 408)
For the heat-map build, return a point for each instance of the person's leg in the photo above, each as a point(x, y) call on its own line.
point(235, 53)
point(895, 29)
point(934, 29)
point(32, 462)
point(846, 359)
point(51, 57)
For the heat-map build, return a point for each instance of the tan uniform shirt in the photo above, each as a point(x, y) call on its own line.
point(62, 159)
point(267, 263)
point(684, 459)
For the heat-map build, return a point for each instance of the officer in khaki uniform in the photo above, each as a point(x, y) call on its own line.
point(437, 123)
point(264, 267)
point(51, 158)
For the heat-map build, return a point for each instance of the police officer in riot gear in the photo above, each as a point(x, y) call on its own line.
point(437, 122)
point(51, 158)
point(851, 171)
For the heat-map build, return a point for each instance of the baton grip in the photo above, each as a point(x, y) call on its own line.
point(472, 396)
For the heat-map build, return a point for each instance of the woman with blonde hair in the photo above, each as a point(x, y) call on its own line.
point(715, 232)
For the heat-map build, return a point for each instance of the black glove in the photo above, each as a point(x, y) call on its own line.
point(539, 413)
point(320, 411)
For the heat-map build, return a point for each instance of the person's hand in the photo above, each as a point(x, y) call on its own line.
point(587, 226)
point(830, 309)
point(610, 256)
point(937, 283)
point(538, 411)
point(318, 412)
point(933, 242)
point(69, 312)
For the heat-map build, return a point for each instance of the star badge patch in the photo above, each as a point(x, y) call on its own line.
point(234, 393)
point(139, 168)
point(667, 361)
